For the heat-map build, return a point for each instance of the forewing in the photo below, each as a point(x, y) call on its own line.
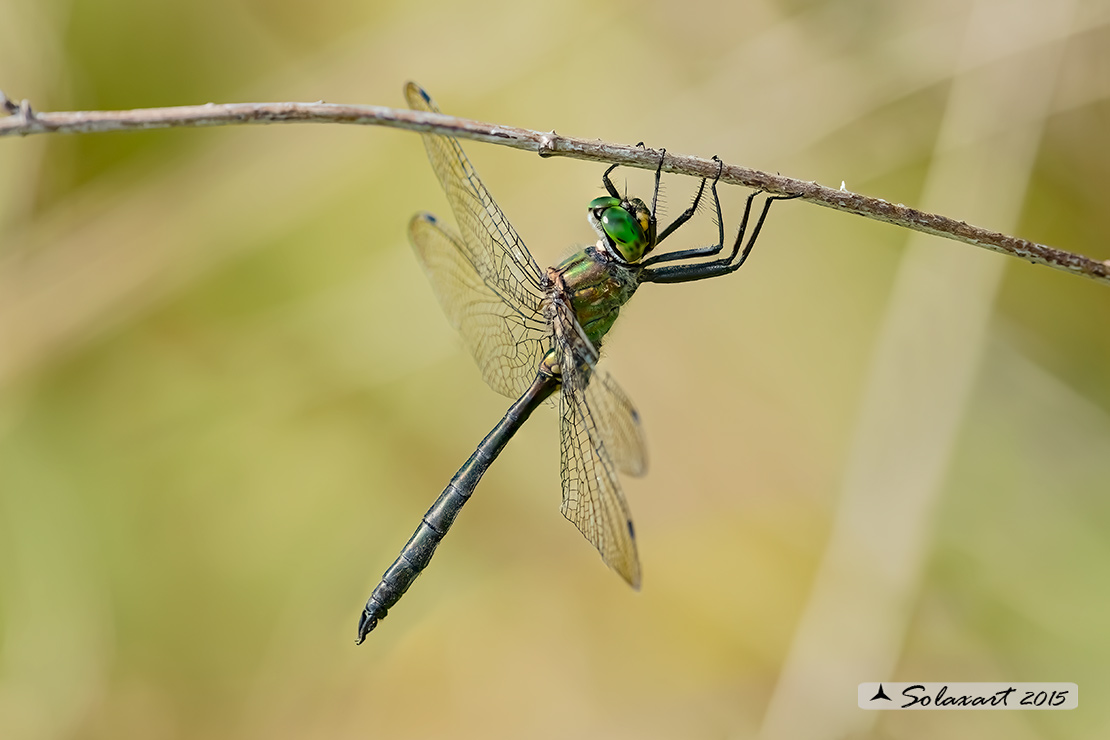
point(489, 241)
point(592, 497)
point(506, 341)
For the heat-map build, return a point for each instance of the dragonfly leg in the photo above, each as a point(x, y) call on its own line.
point(699, 251)
point(616, 193)
point(658, 179)
point(609, 183)
point(722, 266)
point(658, 172)
point(689, 212)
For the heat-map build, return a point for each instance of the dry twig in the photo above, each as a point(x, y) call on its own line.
point(22, 121)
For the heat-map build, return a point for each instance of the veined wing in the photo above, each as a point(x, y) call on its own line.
point(617, 422)
point(506, 341)
point(489, 241)
point(599, 433)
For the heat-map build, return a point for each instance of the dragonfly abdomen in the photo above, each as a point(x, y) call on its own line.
point(418, 551)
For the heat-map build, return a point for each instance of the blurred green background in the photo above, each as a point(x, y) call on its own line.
point(227, 393)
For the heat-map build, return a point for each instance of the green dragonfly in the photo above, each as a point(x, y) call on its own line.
point(536, 332)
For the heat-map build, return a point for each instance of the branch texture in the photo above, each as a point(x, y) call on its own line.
point(22, 121)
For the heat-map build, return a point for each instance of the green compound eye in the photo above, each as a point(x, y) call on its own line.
point(622, 227)
point(605, 201)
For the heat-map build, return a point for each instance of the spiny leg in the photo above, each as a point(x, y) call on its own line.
point(609, 183)
point(658, 176)
point(714, 268)
point(722, 266)
point(698, 251)
point(755, 232)
point(689, 212)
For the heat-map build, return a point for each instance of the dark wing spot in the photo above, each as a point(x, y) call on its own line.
point(631, 532)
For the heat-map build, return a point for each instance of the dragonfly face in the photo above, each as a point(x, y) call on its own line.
point(626, 226)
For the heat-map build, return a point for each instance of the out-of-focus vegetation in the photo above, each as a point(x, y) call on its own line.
point(227, 393)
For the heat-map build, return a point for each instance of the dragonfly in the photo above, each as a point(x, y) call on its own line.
point(536, 335)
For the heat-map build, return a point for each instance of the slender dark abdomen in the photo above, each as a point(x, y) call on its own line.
point(417, 553)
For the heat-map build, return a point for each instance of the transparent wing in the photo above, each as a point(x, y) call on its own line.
point(617, 422)
point(599, 433)
point(506, 341)
point(490, 243)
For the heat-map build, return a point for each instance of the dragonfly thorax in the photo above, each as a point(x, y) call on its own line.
point(595, 285)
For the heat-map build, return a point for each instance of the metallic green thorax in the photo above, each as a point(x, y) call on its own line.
point(596, 286)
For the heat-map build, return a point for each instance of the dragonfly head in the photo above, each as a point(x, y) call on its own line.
point(626, 226)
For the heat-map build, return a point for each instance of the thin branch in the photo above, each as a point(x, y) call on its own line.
point(22, 120)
